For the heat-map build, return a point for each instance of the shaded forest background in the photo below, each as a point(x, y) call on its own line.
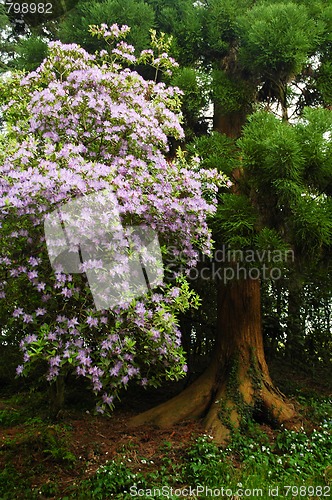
point(218, 64)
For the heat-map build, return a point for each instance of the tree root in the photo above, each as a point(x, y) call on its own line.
point(190, 403)
point(277, 409)
point(223, 409)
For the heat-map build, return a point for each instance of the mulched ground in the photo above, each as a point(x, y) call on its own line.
point(94, 440)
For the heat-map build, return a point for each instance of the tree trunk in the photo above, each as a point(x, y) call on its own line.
point(237, 383)
point(57, 396)
point(229, 123)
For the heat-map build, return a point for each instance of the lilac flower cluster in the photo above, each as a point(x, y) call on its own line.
point(88, 127)
point(112, 32)
point(125, 51)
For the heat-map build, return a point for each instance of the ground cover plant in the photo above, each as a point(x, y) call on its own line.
point(87, 456)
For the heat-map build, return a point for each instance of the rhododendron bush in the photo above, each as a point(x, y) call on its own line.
point(79, 125)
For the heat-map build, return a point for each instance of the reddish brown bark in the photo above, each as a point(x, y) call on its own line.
point(230, 124)
point(237, 380)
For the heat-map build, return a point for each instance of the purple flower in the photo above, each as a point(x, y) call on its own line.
point(27, 318)
point(52, 373)
point(83, 358)
point(26, 357)
point(18, 312)
point(175, 292)
point(19, 369)
point(67, 292)
point(92, 321)
point(97, 385)
point(40, 312)
point(72, 322)
point(131, 371)
point(32, 275)
point(139, 322)
point(61, 278)
point(55, 361)
point(128, 357)
point(5, 260)
point(140, 308)
point(61, 319)
point(116, 369)
point(30, 338)
point(80, 370)
point(95, 371)
point(155, 334)
point(108, 399)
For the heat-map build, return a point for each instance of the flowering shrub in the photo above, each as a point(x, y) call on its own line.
point(88, 123)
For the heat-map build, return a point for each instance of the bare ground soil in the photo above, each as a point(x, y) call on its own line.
point(94, 440)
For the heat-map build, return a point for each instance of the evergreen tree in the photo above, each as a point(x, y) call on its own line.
point(74, 28)
point(265, 58)
point(26, 27)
